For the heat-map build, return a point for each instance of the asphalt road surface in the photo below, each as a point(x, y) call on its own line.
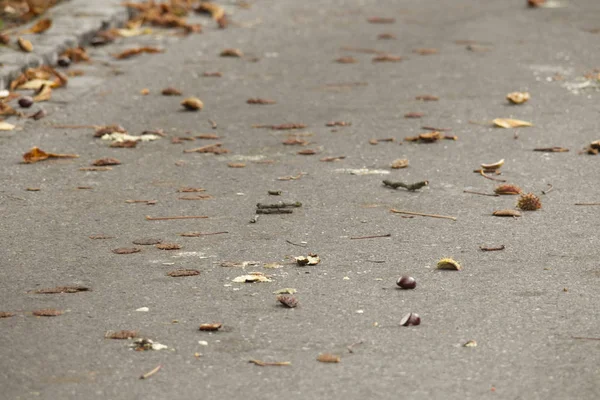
point(532, 308)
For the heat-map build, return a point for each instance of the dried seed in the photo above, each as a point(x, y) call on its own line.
point(106, 161)
point(47, 312)
point(6, 314)
point(183, 272)
point(26, 101)
point(171, 91)
point(507, 213)
point(287, 300)
point(529, 202)
point(25, 45)
point(448, 263)
point(147, 241)
point(399, 163)
point(126, 250)
point(192, 104)
point(411, 319)
point(120, 335)
point(406, 282)
point(168, 246)
point(518, 97)
point(232, 53)
point(328, 358)
point(507, 189)
point(210, 327)
point(63, 289)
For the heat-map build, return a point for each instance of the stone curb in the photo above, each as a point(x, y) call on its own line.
point(74, 23)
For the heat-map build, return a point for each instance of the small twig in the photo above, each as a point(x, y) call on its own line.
point(350, 350)
point(585, 338)
point(501, 247)
point(149, 218)
point(295, 244)
point(422, 214)
point(149, 374)
point(371, 237)
point(274, 211)
point(481, 194)
point(270, 364)
point(549, 189)
point(213, 124)
point(198, 234)
point(411, 187)
point(490, 177)
point(150, 202)
point(433, 128)
point(280, 204)
point(587, 204)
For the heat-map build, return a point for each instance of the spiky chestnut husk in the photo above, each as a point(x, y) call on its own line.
point(529, 202)
point(508, 189)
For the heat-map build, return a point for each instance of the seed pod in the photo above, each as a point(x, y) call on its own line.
point(288, 300)
point(406, 282)
point(26, 101)
point(411, 319)
point(25, 45)
point(448, 263)
point(328, 358)
point(507, 213)
point(529, 202)
point(193, 104)
point(210, 327)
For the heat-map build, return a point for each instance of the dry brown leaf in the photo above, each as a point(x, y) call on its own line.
point(76, 54)
point(232, 53)
point(387, 58)
point(210, 327)
point(183, 272)
point(171, 91)
point(126, 250)
point(168, 246)
point(25, 45)
point(294, 140)
point(258, 100)
point(346, 60)
point(6, 314)
point(106, 161)
point(208, 136)
point(518, 97)
point(41, 26)
point(236, 165)
point(427, 97)
point(381, 20)
point(328, 358)
point(43, 94)
point(47, 312)
point(284, 127)
point(307, 152)
point(211, 148)
point(136, 51)
point(192, 104)
point(121, 335)
point(63, 289)
point(35, 154)
point(399, 163)
point(425, 51)
point(511, 123)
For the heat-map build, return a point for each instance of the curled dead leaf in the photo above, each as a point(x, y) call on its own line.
point(44, 93)
point(106, 161)
point(36, 154)
point(137, 51)
point(41, 26)
point(518, 97)
point(120, 335)
point(508, 123)
point(232, 53)
point(399, 163)
point(47, 312)
point(493, 166)
point(210, 327)
point(183, 272)
point(448, 263)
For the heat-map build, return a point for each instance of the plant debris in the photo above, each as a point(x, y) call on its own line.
point(251, 278)
point(424, 51)
point(427, 97)
point(149, 218)
point(429, 137)
point(484, 248)
point(511, 123)
point(422, 214)
point(168, 246)
point(399, 163)
point(529, 202)
point(270, 364)
point(555, 149)
point(346, 60)
point(106, 161)
point(386, 36)
point(210, 327)
point(507, 189)
point(287, 300)
point(6, 314)
point(147, 241)
point(183, 272)
point(192, 104)
point(144, 344)
point(121, 335)
point(381, 20)
point(150, 373)
point(413, 115)
point(448, 263)
point(198, 234)
point(311, 259)
point(411, 319)
point(506, 213)
point(387, 58)
point(25, 45)
point(36, 154)
point(470, 343)
point(258, 100)
point(126, 250)
point(338, 123)
point(47, 312)
point(137, 51)
point(328, 358)
point(232, 53)
point(63, 289)
point(285, 291)
point(171, 91)
point(332, 159)
point(215, 148)
point(593, 148)
point(518, 97)
point(410, 187)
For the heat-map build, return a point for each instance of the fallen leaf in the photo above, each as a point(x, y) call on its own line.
point(6, 314)
point(210, 327)
point(258, 100)
point(43, 94)
point(192, 104)
point(448, 263)
point(251, 278)
point(63, 289)
point(211, 148)
point(285, 291)
point(47, 312)
point(144, 344)
point(555, 149)
point(36, 84)
point(381, 20)
point(41, 26)
point(518, 97)
point(171, 91)
point(346, 60)
point(236, 165)
point(399, 163)
point(136, 51)
point(5, 126)
point(168, 246)
point(510, 123)
point(25, 45)
point(183, 272)
point(147, 241)
point(270, 364)
point(216, 12)
point(35, 154)
point(76, 54)
point(120, 335)
point(425, 51)
point(294, 140)
point(126, 250)
point(106, 161)
point(232, 53)
point(427, 97)
point(283, 127)
point(387, 58)
point(328, 358)
point(470, 343)
point(311, 259)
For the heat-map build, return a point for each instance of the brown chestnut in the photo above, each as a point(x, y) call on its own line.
point(406, 282)
point(410, 319)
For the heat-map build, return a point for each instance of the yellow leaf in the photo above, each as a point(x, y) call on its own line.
point(510, 123)
point(5, 126)
point(41, 26)
point(36, 84)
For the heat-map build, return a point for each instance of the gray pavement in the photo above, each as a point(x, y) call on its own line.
point(525, 306)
